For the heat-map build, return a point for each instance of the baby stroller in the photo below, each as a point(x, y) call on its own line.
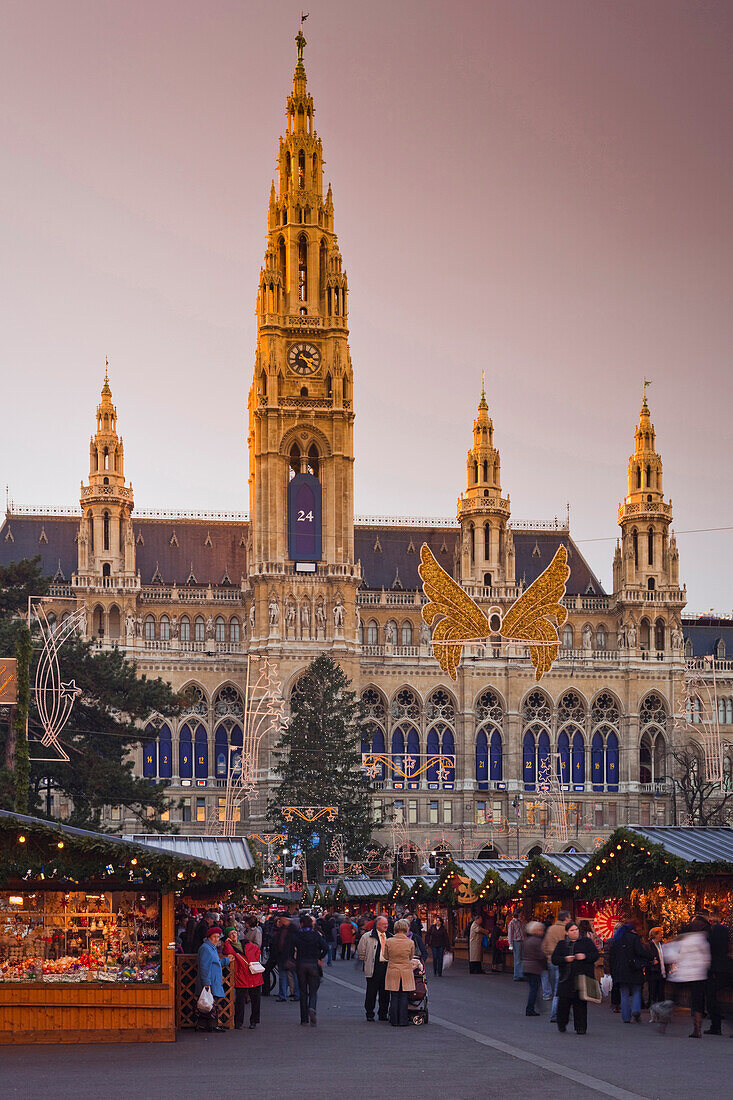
point(417, 1001)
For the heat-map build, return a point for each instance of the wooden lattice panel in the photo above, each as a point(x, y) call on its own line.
point(186, 995)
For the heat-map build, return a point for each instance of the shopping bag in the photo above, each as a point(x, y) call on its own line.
point(588, 989)
point(205, 1003)
point(256, 968)
point(606, 985)
point(447, 960)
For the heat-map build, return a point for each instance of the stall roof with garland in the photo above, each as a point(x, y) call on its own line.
point(364, 887)
point(230, 852)
point(640, 858)
point(713, 844)
point(508, 870)
point(55, 851)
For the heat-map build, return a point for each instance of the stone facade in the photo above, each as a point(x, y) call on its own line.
point(194, 598)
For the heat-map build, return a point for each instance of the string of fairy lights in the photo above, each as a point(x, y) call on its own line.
point(42, 851)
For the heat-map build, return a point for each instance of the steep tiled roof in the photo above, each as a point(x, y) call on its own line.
point(535, 550)
point(210, 551)
point(20, 537)
point(705, 632)
point(179, 548)
point(167, 549)
point(390, 556)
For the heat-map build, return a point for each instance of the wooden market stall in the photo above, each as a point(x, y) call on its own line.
point(87, 934)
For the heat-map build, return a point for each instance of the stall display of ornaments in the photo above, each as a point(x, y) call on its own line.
point(53, 936)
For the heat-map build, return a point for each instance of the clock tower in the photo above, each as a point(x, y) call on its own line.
point(301, 550)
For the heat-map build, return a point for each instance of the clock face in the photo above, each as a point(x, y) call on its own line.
point(304, 358)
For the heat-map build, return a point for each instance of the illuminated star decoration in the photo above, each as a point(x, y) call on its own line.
point(310, 813)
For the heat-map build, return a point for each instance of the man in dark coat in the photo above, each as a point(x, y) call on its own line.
point(283, 948)
point(310, 948)
point(719, 940)
point(201, 930)
point(630, 958)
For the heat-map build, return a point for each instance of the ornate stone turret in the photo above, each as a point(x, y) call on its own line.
point(106, 548)
point(487, 546)
point(646, 562)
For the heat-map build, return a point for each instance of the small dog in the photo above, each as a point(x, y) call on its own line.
point(661, 1013)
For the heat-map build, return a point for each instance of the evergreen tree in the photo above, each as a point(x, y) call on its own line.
point(103, 729)
point(319, 755)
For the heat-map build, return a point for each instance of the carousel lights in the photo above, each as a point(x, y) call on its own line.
point(21, 839)
point(133, 862)
point(180, 874)
point(60, 844)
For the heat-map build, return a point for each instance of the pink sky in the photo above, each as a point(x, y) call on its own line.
point(538, 190)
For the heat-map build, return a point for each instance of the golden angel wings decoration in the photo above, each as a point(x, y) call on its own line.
point(532, 619)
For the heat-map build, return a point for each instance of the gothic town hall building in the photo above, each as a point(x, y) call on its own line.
point(192, 597)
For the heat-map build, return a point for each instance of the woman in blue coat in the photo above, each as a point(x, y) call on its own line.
point(210, 976)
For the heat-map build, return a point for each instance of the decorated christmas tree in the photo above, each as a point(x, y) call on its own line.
point(319, 766)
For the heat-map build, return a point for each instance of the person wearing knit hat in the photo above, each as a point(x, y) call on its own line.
point(247, 982)
point(210, 975)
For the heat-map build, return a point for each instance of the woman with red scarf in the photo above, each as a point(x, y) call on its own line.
point(247, 983)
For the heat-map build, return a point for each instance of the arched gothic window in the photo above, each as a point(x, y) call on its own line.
point(372, 633)
point(489, 747)
point(294, 460)
point(313, 460)
point(220, 629)
point(149, 628)
point(652, 756)
point(406, 633)
point(165, 628)
point(604, 752)
point(302, 268)
point(199, 628)
point(440, 713)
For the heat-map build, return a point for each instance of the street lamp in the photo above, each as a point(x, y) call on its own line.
point(516, 803)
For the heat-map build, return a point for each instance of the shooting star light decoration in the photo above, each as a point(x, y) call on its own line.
point(55, 697)
point(533, 619)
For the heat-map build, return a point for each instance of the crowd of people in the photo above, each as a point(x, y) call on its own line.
point(392, 954)
point(572, 966)
point(562, 961)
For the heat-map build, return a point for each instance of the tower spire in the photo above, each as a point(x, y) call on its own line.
point(482, 403)
point(487, 556)
point(299, 79)
point(646, 561)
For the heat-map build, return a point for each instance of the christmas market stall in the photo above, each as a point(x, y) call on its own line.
point(661, 875)
point(417, 893)
point(546, 884)
point(87, 934)
point(234, 882)
point(355, 896)
point(467, 886)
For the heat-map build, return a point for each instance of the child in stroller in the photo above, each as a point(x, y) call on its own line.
point(417, 1001)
